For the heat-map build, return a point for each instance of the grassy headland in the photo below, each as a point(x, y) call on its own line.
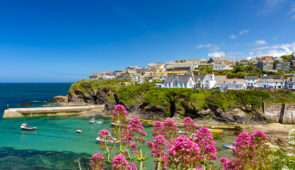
point(180, 100)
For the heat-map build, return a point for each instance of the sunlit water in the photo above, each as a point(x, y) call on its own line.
point(56, 145)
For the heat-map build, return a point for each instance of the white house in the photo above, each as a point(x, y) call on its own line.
point(137, 78)
point(206, 81)
point(276, 82)
point(251, 81)
point(108, 76)
point(180, 81)
point(221, 67)
point(231, 84)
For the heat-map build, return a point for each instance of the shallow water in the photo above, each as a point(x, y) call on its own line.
point(56, 145)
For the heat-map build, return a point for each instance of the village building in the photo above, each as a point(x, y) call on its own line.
point(231, 84)
point(275, 82)
point(188, 67)
point(117, 74)
point(181, 81)
point(251, 81)
point(222, 67)
point(218, 60)
point(290, 81)
point(137, 78)
point(205, 81)
point(101, 76)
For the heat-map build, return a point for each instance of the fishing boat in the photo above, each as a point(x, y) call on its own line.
point(25, 126)
point(79, 131)
point(228, 146)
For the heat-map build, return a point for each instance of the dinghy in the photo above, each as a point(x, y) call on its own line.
point(79, 131)
point(25, 126)
point(228, 146)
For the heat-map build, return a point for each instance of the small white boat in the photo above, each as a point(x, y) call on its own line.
point(92, 120)
point(25, 126)
point(228, 146)
point(79, 131)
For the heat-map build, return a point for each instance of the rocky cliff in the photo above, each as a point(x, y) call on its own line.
point(151, 103)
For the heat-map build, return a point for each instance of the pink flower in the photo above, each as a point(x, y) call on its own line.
point(119, 108)
point(119, 162)
point(133, 145)
point(135, 125)
point(97, 161)
point(120, 115)
point(259, 136)
point(104, 134)
point(226, 164)
point(187, 152)
point(131, 166)
point(158, 129)
point(206, 143)
point(189, 126)
point(170, 129)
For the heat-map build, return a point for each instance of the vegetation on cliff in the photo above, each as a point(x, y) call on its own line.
point(185, 102)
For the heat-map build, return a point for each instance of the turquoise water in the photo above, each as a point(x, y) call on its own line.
point(56, 145)
point(38, 94)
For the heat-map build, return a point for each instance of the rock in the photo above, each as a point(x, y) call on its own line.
point(59, 99)
point(25, 104)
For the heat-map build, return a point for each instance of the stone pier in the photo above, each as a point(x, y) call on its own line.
point(51, 111)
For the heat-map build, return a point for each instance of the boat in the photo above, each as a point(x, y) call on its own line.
point(79, 131)
point(112, 140)
point(94, 122)
point(228, 146)
point(25, 126)
point(216, 131)
point(118, 124)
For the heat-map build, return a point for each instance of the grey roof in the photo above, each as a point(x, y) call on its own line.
point(180, 78)
point(251, 77)
point(271, 77)
point(179, 65)
point(201, 77)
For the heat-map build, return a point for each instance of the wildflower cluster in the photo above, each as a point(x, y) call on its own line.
point(127, 139)
point(194, 149)
point(250, 152)
point(97, 161)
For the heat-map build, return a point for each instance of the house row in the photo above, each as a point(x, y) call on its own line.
point(211, 81)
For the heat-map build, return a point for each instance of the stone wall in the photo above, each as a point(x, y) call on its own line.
point(51, 111)
point(282, 113)
point(289, 115)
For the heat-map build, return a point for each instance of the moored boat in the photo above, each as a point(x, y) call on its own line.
point(25, 126)
point(79, 131)
point(111, 140)
point(228, 146)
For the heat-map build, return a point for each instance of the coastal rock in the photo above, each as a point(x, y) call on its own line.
point(60, 99)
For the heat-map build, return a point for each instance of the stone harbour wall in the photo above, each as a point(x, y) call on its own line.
point(278, 112)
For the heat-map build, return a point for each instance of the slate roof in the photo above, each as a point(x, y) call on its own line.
point(180, 78)
point(179, 65)
point(251, 77)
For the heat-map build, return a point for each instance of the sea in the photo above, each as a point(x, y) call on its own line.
point(55, 144)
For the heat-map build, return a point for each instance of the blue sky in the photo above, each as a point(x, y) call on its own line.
point(64, 41)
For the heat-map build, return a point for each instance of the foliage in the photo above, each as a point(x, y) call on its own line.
point(287, 58)
point(186, 149)
point(250, 152)
point(87, 85)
